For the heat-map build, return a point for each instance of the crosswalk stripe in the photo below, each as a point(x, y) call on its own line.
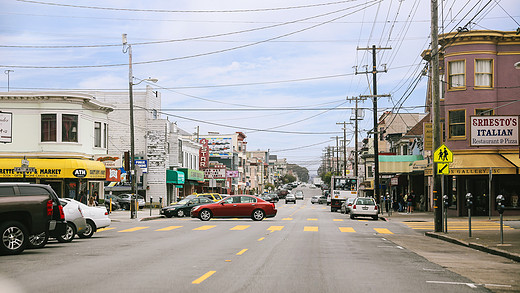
point(383, 231)
point(275, 228)
point(169, 228)
point(310, 228)
point(240, 227)
point(104, 229)
point(134, 229)
point(312, 219)
point(242, 251)
point(337, 220)
point(203, 277)
point(347, 229)
point(287, 219)
point(206, 227)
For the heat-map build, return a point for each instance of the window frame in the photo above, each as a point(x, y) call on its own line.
point(491, 113)
point(55, 127)
point(450, 124)
point(492, 73)
point(98, 134)
point(63, 128)
point(458, 88)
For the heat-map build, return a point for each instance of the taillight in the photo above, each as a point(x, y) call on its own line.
point(375, 208)
point(62, 215)
point(106, 213)
point(49, 207)
point(354, 206)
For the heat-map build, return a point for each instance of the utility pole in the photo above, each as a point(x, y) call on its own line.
point(437, 130)
point(344, 146)
point(356, 119)
point(375, 96)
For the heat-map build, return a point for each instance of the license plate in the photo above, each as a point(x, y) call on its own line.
point(365, 208)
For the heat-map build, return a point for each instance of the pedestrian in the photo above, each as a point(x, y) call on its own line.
point(91, 200)
point(410, 202)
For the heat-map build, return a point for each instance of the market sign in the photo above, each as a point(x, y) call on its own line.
point(494, 130)
point(214, 173)
point(6, 127)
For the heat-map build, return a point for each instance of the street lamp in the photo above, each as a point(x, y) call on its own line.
point(8, 71)
point(128, 48)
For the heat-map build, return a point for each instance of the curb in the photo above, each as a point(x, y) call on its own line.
point(151, 218)
point(495, 251)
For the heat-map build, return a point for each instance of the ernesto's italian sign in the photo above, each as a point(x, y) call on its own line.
point(494, 130)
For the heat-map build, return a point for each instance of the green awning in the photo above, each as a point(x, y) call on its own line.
point(174, 177)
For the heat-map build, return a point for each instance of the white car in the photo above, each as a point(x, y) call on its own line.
point(364, 206)
point(315, 199)
point(96, 218)
point(74, 217)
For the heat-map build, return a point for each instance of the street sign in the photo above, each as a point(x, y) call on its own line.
point(443, 169)
point(443, 155)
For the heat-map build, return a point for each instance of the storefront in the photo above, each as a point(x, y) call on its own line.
point(479, 174)
point(193, 179)
point(72, 178)
point(174, 181)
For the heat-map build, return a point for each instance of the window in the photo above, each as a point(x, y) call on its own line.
point(6, 191)
point(484, 112)
point(457, 123)
point(247, 199)
point(105, 135)
point(69, 128)
point(97, 134)
point(484, 73)
point(457, 74)
point(48, 124)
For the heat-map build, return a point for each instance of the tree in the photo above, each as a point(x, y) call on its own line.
point(302, 172)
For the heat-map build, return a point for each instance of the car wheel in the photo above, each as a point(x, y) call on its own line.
point(352, 216)
point(180, 213)
point(258, 215)
point(38, 240)
point(89, 230)
point(205, 215)
point(168, 215)
point(70, 232)
point(13, 237)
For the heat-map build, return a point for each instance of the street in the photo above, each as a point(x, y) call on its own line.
point(305, 248)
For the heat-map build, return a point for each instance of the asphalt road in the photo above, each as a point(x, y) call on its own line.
point(305, 248)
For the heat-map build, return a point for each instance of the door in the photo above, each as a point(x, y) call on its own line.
point(246, 206)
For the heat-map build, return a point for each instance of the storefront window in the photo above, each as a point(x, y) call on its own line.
point(69, 129)
point(48, 127)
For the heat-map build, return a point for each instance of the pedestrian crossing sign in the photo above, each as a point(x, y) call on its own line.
point(443, 155)
point(443, 169)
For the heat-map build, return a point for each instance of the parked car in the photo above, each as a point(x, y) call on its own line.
point(126, 199)
point(95, 217)
point(29, 213)
point(183, 207)
point(283, 193)
point(364, 206)
point(76, 223)
point(299, 194)
point(215, 197)
point(315, 199)
point(322, 199)
point(236, 206)
point(114, 199)
point(346, 205)
point(290, 198)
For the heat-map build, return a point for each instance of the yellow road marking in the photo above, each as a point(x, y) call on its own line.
point(242, 251)
point(240, 227)
point(206, 227)
point(287, 219)
point(323, 208)
point(383, 231)
point(363, 220)
point(275, 228)
point(104, 229)
point(260, 239)
point(337, 220)
point(134, 229)
point(312, 219)
point(347, 229)
point(310, 228)
point(169, 228)
point(203, 277)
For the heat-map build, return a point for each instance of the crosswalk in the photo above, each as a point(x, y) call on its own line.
point(459, 226)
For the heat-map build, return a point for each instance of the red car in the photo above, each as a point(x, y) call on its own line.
point(236, 206)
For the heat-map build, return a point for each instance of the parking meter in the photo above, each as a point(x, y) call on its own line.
point(446, 201)
point(469, 204)
point(500, 208)
point(446, 204)
point(150, 206)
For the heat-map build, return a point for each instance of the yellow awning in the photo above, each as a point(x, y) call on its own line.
point(513, 158)
point(394, 167)
point(53, 168)
point(478, 164)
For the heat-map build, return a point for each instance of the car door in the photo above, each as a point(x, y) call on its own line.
point(246, 206)
point(227, 207)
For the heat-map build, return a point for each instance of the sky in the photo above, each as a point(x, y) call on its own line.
point(282, 72)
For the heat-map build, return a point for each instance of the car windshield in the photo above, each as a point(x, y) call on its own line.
point(184, 201)
point(365, 201)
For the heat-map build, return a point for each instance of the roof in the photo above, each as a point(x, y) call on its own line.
point(418, 128)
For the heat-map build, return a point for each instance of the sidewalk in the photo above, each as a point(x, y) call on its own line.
point(142, 215)
point(486, 238)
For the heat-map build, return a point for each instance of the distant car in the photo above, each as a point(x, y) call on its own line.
point(290, 198)
point(236, 206)
point(315, 199)
point(95, 217)
point(346, 205)
point(215, 197)
point(322, 199)
point(271, 197)
point(76, 223)
point(364, 206)
point(283, 193)
point(126, 199)
point(299, 194)
point(183, 207)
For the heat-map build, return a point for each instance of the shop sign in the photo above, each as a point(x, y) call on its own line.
point(80, 173)
point(220, 146)
point(473, 171)
point(394, 181)
point(214, 173)
point(110, 162)
point(6, 127)
point(232, 174)
point(143, 164)
point(113, 175)
point(494, 131)
point(203, 154)
point(191, 174)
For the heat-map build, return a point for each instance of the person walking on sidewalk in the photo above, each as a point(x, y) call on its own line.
point(410, 201)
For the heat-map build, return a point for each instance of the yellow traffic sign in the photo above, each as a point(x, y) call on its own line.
point(443, 169)
point(443, 155)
